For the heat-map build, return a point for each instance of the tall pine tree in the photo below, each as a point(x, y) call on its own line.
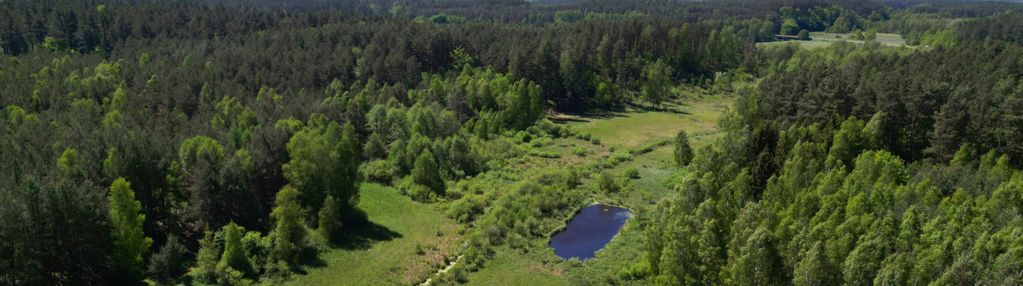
point(130, 243)
point(234, 253)
point(683, 152)
point(289, 227)
point(426, 173)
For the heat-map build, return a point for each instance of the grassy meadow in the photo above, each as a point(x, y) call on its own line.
point(822, 40)
point(387, 254)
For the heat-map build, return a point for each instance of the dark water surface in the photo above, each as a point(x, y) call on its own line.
point(589, 231)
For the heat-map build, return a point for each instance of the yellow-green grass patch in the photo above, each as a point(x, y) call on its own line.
point(821, 40)
point(509, 267)
point(638, 127)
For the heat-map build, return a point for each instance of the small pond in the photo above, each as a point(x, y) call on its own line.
point(589, 231)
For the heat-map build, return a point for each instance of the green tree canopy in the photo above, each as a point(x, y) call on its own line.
point(683, 152)
point(290, 231)
point(656, 82)
point(426, 172)
point(324, 162)
point(234, 257)
point(130, 243)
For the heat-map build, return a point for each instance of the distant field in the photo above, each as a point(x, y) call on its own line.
point(388, 255)
point(820, 40)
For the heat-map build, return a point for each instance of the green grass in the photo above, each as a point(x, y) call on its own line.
point(654, 168)
point(509, 267)
point(637, 127)
point(386, 255)
point(883, 38)
point(821, 40)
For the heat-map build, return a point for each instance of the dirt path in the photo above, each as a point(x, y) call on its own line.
point(442, 271)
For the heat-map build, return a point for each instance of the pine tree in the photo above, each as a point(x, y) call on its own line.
point(169, 263)
point(847, 143)
point(894, 270)
point(325, 162)
point(289, 227)
point(657, 81)
point(863, 263)
point(350, 157)
point(607, 182)
point(813, 269)
point(683, 152)
point(330, 219)
point(426, 173)
point(804, 35)
point(234, 254)
point(130, 243)
point(205, 269)
point(758, 262)
point(68, 161)
point(11, 41)
point(375, 147)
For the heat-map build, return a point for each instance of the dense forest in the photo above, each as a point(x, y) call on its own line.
point(231, 142)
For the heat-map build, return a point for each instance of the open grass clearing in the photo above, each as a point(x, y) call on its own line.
point(387, 254)
point(509, 267)
point(821, 40)
point(636, 127)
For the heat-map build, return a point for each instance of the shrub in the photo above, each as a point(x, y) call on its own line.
point(426, 172)
point(632, 173)
point(636, 271)
point(619, 157)
point(579, 151)
point(683, 152)
point(420, 250)
point(544, 154)
point(607, 183)
point(378, 171)
point(420, 193)
point(170, 262)
point(330, 219)
point(467, 208)
point(234, 257)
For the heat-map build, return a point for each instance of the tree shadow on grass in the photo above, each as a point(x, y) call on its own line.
point(675, 108)
point(602, 113)
point(588, 115)
point(363, 236)
point(310, 258)
point(358, 233)
point(561, 120)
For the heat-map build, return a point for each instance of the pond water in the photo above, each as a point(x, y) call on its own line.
point(589, 231)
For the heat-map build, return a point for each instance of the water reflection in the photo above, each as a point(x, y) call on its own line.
point(589, 231)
